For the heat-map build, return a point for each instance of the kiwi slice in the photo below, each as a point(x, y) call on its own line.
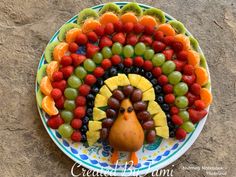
point(110, 7)
point(203, 61)
point(49, 50)
point(85, 14)
point(194, 43)
point(64, 29)
point(178, 26)
point(132, 7)
point(39, 98)
point(207, 85)
point(41, 73)
point(156, 13)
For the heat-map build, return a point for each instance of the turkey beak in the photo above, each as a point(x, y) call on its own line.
point(126, 115)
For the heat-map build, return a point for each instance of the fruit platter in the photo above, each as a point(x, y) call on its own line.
point(123, 88)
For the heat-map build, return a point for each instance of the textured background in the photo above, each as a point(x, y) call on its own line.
point(25, 29)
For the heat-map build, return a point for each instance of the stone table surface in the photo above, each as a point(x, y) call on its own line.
point(25, 29)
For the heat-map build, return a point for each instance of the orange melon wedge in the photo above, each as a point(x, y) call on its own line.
point(201, 75)
point(90, 25)
point(167, 29)
point(45, 86)
point(108, 17)
point(206, 96)
point(52, 67)
point(193, 58)
point(129, 17)
point(48, 105)
point(60, 50)
point(148, 20)
point(72, 34)
point(184, 40)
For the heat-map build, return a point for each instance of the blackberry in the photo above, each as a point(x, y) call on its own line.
point(113, 71)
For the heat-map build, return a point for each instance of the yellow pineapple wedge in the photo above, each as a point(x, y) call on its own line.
point(100, 101)
point(134, 79)
point(112, 83)
point(92, 137)
point(153, 107)
point(162, 132)
point(123, 80)
point(98, 114)
point(94, 125)
point(160, 119)
point(144, 84)
point(149, 95)
point(104, 91)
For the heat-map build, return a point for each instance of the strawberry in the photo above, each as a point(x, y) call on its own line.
point(128, 27)
point(138, 61)
point(55, 121)
point(131, 39)
point(76, 123)
point(177, 120)
point(149, 30)
point(191, 98)
point(169, 98)
point(115, 59)
point(174, 110)
point(179, 65)
point(81, 39)
point(163, 80)
point(109, 28)
point(67, 71)
point(73, 47)
point(148, 65)
point(182, 55)
point(128, 62)
point(105, 42)
point(56, 93)
point(146, 39)
point(168, 88)
point(168, 40)
point(84, 89)
point(60, 102)
point(77, 59)
point(180, 134)
point(90, 79)
point(138, 28)
point(76, 136)
point(99, 30)
point(159, 36)
point(189, 79)
point(92, 36)
point(66, 60)
point(118, 26)
point(158, 46)
point(106, 63)
point(119, 37)
point(168, 53)
point(79, 112)
point(57, 76)
point(80, 100)
point(60, 85)
point(188, 69)
point(195, 89)
point(177, 46)
point(199, 105)
point(156, 71)
point(91, 50)
point(98, 72)
point(196, 116)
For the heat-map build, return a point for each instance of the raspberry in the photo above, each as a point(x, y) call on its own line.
point(76, 136)
point(199, 104)
point(60, 103)
point(170, 98)
point(73, 47)
point(177, 120)
point(128, 62)
point(76, 123)
point(174, 110)
point(195, 89)
point(99, 30)
point(149, 30)
point(109, 28)
point(66, 61)
point(55, 121)
point(57, 76)
point(138, 28)
point(80, 100)
point(168, 40)
point(118, 26)
point(92, 36)
point(159, 36)
point(180, 134)
point(168, 53)
point(163, 80)
point(156, 71)
point(188, 69)
point(77, 59)
point(67, 71)
point(84, 89)
point(138, 61)
point(81, 39)
point(98, 72)
point(168, 88)
point(56, 93)
point(90, 79)
point(115, 59)
point(128, 27)
point(106, 63)
point(60, 85)
point(158, 46)
point(79, 112)
point(177, 46)
point(182, 55)
point(148, 65)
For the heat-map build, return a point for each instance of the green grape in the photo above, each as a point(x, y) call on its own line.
point(89, 65)
point(175, 77)
point(80, 72)
point(65, 130)
point(158, 59)
point(148, 54)
point(139, 48)
point(74, 81)
point(188, 126)
point(69, 105)
point(128, 51)
point(97, 58)
point(117, 48)
point(180, 89)
point(184, 115)
point(106, 52)
point(70, 93)
point(181, 102)
point(67, 116)
point(168, 67)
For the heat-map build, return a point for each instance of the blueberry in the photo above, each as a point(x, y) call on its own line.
point(127, 70)
point(90, 103)
point(90, 97)
point(106, 75)
point(170, 125)
point(160, 99)
point(158, 89)
point(172, 134)
point(90, 112)
point(83, 138)
point(100, 82)
point(154, 81)
point(94, 90)
point(168, 116)
point(113, 71)
point(165, 107)
point(85, 120)
point(135, 70)
point(84, 128)
point(120, 66)
point(148, 75)
point(142, 71)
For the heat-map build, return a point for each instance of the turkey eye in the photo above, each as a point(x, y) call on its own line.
point(130, 109)
point(122, 110)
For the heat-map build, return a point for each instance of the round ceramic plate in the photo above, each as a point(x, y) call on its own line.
point(151, 157)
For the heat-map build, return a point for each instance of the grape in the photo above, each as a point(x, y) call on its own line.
point(117, 48)
point(74, 81)
point(181, 102)
point(70, 93)
point(97, 58)
point(168, 67)
point(113, 103)
point(89, 65)
point(65, 130)
point(106, 52)
point(67, 116)
point(158, 59)
point(139, 48)
point(184, 115)
point(148, 54)
point(175, 77)
point(80, 72)
point(180, 89)
point(128, 51)
point(69, 105)
point(107, 123)
point(188, 126)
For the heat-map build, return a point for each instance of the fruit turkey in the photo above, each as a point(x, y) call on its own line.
point(124, 76)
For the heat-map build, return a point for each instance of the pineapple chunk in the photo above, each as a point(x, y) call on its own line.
point(123, 80)
point(144, 84)
point(112, 83)
point(100, 101)
point(149, 95)
point(98, 114)
point(92, 137)
point(94, 125)
point(162, 131)
point(160, 119)
point(153, 107)
point(134, 79)
point(104, 91)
